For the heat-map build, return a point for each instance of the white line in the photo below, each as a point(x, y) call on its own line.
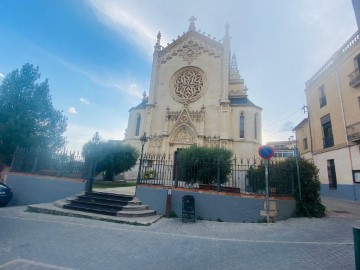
point(50, 266)
point(189, 236)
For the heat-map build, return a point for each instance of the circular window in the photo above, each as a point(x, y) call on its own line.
point(188, 84)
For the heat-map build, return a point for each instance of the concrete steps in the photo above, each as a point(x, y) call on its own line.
point(109, 204)
point(136, 213)
point(139, 207)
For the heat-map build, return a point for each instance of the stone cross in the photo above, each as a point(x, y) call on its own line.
point(192, 23)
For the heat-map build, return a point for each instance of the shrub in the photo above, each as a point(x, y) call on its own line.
point(200, 165)
point(310, 204)
point(149, 174)
point(284, 171)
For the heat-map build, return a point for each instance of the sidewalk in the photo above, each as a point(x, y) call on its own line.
point(55, 208)
point(341, 208)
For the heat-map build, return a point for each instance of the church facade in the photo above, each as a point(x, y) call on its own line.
point(196, 97)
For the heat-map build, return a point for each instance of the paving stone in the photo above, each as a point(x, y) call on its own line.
point(77, 243)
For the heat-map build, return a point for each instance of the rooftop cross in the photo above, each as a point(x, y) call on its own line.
point(192, 23)
point(158, 38)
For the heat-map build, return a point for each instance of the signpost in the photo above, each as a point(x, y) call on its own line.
point(266, 152)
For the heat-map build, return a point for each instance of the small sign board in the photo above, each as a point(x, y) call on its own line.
point(266, 152)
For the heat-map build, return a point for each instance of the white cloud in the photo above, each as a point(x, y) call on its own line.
point(319, 21)
point(287, 126)
point(72, 110)
point(108, 79)
point(85, 101)
point(114, 14)
point(77, 135)
point(1, 75)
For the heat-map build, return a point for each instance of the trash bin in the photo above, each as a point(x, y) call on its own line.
point(188, 208)
point(356, 232)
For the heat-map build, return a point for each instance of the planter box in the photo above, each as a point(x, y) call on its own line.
point(213, 187)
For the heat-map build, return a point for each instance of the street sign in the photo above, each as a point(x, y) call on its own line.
point(266, 152)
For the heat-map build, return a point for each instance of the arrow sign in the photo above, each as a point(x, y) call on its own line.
point(266, 152)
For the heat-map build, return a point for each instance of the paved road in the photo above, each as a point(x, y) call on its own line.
point(39, 241)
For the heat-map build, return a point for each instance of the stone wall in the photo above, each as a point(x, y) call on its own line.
point(213, 206)
point(32, 189)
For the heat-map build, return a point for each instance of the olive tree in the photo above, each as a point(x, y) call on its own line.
point(110, 157)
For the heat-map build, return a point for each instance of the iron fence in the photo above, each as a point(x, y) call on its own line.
point(39, 161)
point(244, 175)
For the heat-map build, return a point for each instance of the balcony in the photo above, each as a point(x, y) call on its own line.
point(353, 132)
point(354, 78)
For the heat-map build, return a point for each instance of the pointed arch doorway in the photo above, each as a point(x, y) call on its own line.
point(184, 135)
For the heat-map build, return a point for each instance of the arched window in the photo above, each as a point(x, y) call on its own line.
point(138, 122)
point(242, 125)
point(255, 127)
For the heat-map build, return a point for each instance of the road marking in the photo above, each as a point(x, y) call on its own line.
point(20, 263)
point(188, 236)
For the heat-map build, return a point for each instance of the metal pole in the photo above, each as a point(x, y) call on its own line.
point(141, 156)
point(267, 190)
point(176, 168)
point(297, 168)
point(218, 175)
point(291, 178)
point(36, 161)
point(13, 159)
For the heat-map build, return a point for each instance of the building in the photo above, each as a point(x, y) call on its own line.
point(283, 149)
point(331, 133)
point(196, 97)
point(303, 139)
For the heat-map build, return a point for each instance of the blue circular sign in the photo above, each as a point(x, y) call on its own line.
point(266, 152)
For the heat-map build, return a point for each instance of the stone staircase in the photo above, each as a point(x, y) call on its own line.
point(109, 204)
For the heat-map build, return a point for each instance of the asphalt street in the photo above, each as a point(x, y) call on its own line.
point(39, 241)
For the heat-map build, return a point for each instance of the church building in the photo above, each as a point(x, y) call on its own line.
point(196, 97)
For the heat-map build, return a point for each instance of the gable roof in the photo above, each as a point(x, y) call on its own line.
point(191, 34)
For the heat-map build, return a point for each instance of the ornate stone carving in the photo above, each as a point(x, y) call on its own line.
point(172, 115)
point(234, 70)
point(196, 116)
point(190, 49)
point(184, 136)
point(188, 84)
point(155, 140)
point(212, 141)
point(184, 119)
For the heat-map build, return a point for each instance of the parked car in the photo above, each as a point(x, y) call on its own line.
point(6, 194)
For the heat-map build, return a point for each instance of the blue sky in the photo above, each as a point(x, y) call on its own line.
point(97, 54)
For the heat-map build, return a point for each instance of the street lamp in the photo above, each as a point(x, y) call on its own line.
point(143, 140)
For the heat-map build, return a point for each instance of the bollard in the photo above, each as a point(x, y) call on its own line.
point(356, 232)
point(168, 204)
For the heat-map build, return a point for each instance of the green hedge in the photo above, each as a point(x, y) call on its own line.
point(200, 165)
point(310, 203)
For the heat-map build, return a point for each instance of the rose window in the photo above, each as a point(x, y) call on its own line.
point(188, 84)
